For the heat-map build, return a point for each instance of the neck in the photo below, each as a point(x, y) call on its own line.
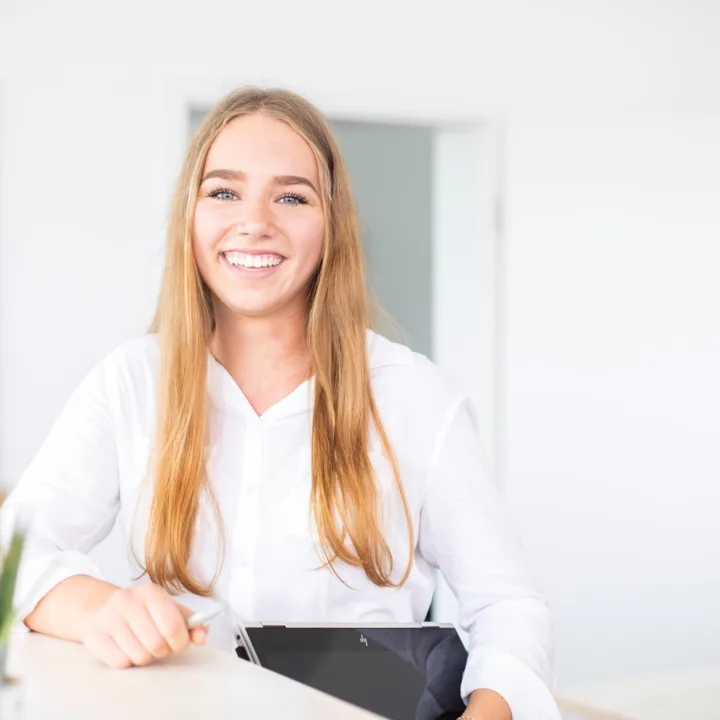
point(266, 356)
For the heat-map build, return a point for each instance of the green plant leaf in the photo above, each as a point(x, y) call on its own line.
point(8, 577)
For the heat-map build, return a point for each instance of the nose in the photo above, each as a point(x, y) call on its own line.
point(254, 220)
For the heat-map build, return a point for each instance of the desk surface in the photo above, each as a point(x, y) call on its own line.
point(62, 680)
point(692, 694)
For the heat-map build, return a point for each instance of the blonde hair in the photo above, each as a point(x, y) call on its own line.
point(337, 319)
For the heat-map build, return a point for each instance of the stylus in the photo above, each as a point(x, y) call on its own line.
point(205, 617)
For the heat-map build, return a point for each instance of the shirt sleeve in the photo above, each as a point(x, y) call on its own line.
point(69, 495)
point(465, 533)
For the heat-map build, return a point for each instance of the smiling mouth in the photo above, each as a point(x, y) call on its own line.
point(246, 261)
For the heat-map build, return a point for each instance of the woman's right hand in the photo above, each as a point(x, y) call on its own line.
point(137, 625)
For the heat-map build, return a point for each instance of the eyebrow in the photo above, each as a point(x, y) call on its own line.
point(238, 175)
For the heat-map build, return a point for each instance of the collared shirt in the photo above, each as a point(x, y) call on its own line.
point(93, 471)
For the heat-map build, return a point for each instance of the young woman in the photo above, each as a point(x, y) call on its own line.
point(263, 444)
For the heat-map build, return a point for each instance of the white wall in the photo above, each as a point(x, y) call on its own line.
point(611, 303)
point(613, 388)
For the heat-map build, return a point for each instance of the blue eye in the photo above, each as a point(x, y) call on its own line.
point(222, 194)
point(292, 199)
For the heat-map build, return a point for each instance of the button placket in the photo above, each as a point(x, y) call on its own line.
point(247, 526)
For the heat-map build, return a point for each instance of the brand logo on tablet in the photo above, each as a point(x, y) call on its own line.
point(363, 639)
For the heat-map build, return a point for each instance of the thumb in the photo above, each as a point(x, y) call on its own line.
point(186, 611)
point(198, 635)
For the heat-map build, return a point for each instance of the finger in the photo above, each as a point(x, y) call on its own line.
point(170, 621)
point(108, 651)
point(128, 642)
point(145, 630)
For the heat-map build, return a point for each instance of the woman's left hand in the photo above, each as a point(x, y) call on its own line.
point(487, 705)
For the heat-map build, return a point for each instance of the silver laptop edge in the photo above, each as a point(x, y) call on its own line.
point(341, 625)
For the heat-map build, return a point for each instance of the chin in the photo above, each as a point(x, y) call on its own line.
point(255, 310)
point(252, 311)
point(259, 306)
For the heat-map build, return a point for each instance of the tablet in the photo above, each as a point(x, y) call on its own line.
point(401, 672)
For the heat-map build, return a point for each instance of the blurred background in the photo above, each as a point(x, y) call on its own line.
point(539, 190)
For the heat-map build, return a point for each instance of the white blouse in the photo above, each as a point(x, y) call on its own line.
point(91, 472)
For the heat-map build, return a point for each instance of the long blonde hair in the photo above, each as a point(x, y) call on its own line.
point(337, 319)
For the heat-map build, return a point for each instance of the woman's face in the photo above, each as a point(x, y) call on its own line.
point(258, 225)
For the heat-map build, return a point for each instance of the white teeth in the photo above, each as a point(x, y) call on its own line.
point(252, 261)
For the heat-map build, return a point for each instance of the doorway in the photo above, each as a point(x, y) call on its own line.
point(391, 172)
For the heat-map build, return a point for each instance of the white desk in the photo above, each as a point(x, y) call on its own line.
point(62, 680)
point(692, 694)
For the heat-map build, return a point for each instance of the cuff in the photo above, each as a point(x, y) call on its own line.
point(39, 574)
point(527, 695)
